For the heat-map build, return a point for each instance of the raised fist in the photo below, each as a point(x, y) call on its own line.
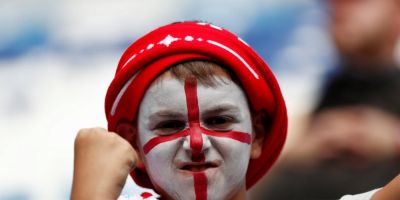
point(102, 163)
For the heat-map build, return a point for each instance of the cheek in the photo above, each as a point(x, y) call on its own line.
point(235, 154)
point(160, 161)
point(232, 174)
point(163, 173)
point(240, 153)
point(163, 154)
point(144, 134)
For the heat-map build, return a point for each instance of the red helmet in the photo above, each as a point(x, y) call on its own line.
point(175, 43)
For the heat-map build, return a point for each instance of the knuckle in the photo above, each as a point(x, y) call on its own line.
point(82, 135)
point(124, 143)
point(99, 130)
point(87, 134)
point(131, 158)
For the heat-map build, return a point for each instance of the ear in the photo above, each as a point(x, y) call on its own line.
point(259, 131)
point(128, 131)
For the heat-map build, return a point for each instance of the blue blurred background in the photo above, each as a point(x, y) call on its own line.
point(58, 57)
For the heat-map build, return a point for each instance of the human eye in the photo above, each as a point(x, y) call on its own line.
point(219, 122)
point(168, 127)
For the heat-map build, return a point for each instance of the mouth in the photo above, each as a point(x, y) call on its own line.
point(197, 166)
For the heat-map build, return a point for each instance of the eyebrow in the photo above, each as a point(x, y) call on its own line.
point(221, 108)
point(166, 114)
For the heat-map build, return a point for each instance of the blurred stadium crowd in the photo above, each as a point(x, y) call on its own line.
point(337, 62)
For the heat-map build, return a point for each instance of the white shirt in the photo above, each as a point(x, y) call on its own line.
point(363, 196)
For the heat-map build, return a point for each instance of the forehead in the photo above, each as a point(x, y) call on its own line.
point(169, 94)
point(164, 94)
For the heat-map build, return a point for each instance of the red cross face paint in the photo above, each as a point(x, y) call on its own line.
point(153, 53)
point(195, 140)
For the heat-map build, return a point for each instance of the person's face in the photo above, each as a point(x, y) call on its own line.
point(361, 25)
point(195, 141)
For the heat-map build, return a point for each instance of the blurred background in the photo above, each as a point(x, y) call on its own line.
point(337, 64)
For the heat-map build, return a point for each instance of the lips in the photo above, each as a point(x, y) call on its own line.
point(197, 166)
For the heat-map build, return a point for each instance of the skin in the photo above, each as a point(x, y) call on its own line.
point(113, 158)
point(390, 192)
point(102, 162)
point(365, 31)
point(225, 180)
point(165, 162)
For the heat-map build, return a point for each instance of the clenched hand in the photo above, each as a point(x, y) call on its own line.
point(102, 163)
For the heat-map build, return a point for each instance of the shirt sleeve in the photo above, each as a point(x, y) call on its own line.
point(363, 196)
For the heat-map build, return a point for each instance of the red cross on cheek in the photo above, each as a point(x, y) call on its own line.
point(195, 130)
point(195, 133)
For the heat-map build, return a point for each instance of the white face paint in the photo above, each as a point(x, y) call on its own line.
point(169, 156)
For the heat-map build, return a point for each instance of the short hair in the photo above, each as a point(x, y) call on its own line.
point(208, 73)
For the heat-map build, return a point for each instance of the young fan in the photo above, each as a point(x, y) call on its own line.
point(193, 113)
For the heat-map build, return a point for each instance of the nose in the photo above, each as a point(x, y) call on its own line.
point(196, 143)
